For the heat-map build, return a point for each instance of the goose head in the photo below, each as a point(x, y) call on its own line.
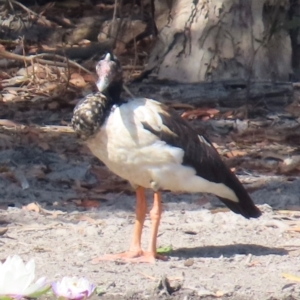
point(109, 73)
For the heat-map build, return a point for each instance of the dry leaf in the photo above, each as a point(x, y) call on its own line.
point(253, 264)
point(63, 122)
point(66, 21)
point(228, 114)
point(205, 118)
point(86, 203)
point(289, 164)
point(44, 146)
point(10, 97)
point(293, 109)
point(53, 105)
point(219, 294)
point(295, 229)
point(11, 91)
point(8, 123)
point(3, 230)
point(288, 211)
point(45, 48)
point(32, 207)
point(200, 112)
point(37, 171)
point(89, 78)
point(84, 42)
point(48, 87)
point(291, 277)
point(77, 80)
point(234, 153)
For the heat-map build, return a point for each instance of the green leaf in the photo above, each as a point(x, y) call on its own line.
point(40, 292)
point(100, 290)
point(164, 250)
point(3, 297)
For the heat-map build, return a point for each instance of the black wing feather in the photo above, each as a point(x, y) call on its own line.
point(200, 154)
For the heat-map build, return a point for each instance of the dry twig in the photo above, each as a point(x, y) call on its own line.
point(36, 58)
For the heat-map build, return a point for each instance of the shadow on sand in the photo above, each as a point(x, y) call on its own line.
point(227, 251)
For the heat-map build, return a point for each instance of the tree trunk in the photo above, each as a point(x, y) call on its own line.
point(211, 40)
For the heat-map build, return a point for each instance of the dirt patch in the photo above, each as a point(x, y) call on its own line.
point(215, 254)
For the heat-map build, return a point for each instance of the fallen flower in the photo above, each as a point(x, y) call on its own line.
point(16, 280)
point(73, 288)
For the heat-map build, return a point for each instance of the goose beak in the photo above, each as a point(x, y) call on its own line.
point(102, 84)
point(107, 57)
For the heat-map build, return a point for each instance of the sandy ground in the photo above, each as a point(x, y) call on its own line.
point(215, 253)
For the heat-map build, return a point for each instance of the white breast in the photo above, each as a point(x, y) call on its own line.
point(129, 150)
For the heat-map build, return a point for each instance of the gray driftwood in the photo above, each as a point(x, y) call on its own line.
point(199, 94)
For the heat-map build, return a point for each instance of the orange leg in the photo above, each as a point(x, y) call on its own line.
point(135, 249)
point(155, 215)
point(135, 253)
point(140, 213)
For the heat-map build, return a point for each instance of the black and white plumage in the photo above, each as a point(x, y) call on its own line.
point(152, 147)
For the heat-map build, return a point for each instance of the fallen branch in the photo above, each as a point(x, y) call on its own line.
point(36, 58)
point(233, 93)
point(86, 52)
